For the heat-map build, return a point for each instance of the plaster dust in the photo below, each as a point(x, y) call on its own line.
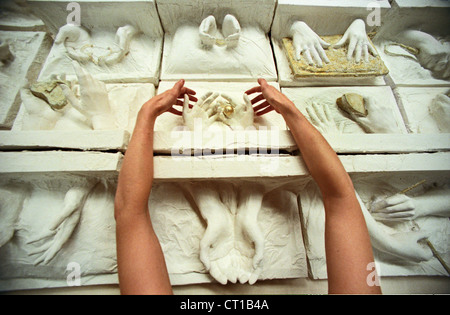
point(140, 65)
point(125, 101)
point(170, 122)
point(382, 97)
point(417, 102)
point(252, 58)
point(381, 185)
point(25, 47)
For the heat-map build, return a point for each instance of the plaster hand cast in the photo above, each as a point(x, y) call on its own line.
point(401, 207)
point(432, 55)
point(440, 111)
point(62, 226)
point(213, 107)
point(94, 102)
point(210, 36)
point(232, 247)
point(322, 119)
point(358, 43)
point(379, 119)
point(79, 46)
point(308, 44)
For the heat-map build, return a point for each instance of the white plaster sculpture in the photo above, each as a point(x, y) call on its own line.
point(232, 247)
point(62, 226)
point(10, 206)
point(307, 43)
point(215, 107)
point(93, 111)
point(358, 43)
point(432, 54)
point(323, 120)
point(210, 35)
point(440, 111)
point(401, 207)
point(5, 53)
point(79, 46)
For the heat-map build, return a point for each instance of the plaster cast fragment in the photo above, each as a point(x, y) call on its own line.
point(352, 104)
point(51, 92)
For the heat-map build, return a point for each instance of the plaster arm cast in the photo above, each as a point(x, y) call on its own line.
point(141, 265)
point(347, 242)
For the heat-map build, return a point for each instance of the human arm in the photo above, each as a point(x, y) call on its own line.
point(347, 241)
point(141, 264)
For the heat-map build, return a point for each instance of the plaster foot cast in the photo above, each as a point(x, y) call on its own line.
point(5, 53)
point(208, 31)
point(62, 226)
point(358, 43)
point(94, 104)
point(123, 39)
point(11, 203)
point(232, 246)
point(440, 111)
point(77, 42)
point(433, 55)
point(202, 114)
point(308, 44)
point(231, 30)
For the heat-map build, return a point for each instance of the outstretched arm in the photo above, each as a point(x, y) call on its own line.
point(347, 241)
point(141, 264)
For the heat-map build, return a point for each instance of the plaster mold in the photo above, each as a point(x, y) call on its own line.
point(426, 109)
point(214, 97)
point(222, 41)
point(19, 51)
point(319, 105)
point(116, 42)
point(395, 235)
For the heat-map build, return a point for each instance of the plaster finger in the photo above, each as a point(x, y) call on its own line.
point(316, 57)
point(365, 53)
point(307, 56)
point(342, 41)
point(351, 49)
point(322, 53)
point(358, 51)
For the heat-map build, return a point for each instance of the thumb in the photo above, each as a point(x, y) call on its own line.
point(342, 41)
point(262, 81)
point(178, 86)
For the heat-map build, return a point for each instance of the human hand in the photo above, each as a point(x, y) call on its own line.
point(202, 110)
point(271, 98)
point(323, 120)
point(309, 44)
point(76, 41)
point(358, 42)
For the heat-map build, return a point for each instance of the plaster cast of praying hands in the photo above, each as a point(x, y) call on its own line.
point(321, 118)
point(11, 204)
point(79, 46)
point(432, 55)
point(401, 207)
point(358, 43)
point(232, 247)
point(213, 107)
point(308, 44)
point(402, 246)
point(62, 226)
point(210, 36)
point(94, 103)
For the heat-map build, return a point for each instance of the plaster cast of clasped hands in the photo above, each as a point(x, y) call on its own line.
point(308, 44)
point(79, 46)
point(232, 247)
point(210, 36)
point(213, 107)
point(358, 43)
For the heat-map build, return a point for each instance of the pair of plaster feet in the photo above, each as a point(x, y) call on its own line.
point(210, 36)
point(232, 247)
